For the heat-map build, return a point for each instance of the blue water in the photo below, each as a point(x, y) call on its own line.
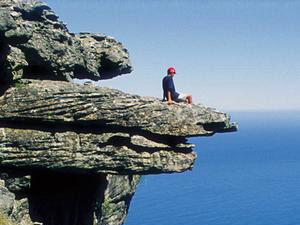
point(250, 177)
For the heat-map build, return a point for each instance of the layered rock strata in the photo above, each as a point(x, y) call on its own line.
point(72, 126)
point(74, 134)
point(73, 154)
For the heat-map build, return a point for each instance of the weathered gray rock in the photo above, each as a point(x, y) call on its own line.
point(117, 197)
point(73, 154)
point(63, 102)
point(17, 186)
point(64, 132)
point(67, 199)
point(6, 200)
point(35, 44)
point(115, 153)
point(6, 21)
point(20, 214)
point(104, 57)
point(98, 129)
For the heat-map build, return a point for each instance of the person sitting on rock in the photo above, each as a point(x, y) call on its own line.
point(169, 89)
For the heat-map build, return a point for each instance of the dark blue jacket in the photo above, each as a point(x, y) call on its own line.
point(168, 85)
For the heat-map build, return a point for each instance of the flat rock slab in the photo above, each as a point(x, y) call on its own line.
point(69, 103)
point(66, 126)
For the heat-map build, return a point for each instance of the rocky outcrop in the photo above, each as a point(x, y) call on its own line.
point(35, 44)
point(65, 198)
point(66, 125)
point(61, 102)
point(78, 134)
point(73, 154)
point(117, 197)
point(6, 199)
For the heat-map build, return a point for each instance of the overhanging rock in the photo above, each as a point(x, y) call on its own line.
point(35, 44)
point(73, 154)
point(66, 126)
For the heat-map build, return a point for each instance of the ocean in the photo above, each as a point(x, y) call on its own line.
point(249, 177)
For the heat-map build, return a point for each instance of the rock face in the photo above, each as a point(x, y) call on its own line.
point(81, 127)
point(73, 154)
point(44, 197)
point(35, 44)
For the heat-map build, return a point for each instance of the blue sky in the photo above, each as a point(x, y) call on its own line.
point(230, 54)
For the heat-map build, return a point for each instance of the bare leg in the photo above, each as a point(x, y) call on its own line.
point(189, 99)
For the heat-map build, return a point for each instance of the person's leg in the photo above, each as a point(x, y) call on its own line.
point(189, 98)
point(183, 97)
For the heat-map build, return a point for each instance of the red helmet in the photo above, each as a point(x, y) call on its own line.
point(171, 69)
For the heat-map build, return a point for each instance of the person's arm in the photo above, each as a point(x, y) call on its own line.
point(170, 101)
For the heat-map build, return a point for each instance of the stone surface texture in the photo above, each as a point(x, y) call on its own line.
point(73, 154)
point(65, 102)
point(99, 129)
point(34, 43)
point(108, 203)
point(117, 197)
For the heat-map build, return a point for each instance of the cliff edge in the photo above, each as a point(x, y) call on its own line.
point(73, 154)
